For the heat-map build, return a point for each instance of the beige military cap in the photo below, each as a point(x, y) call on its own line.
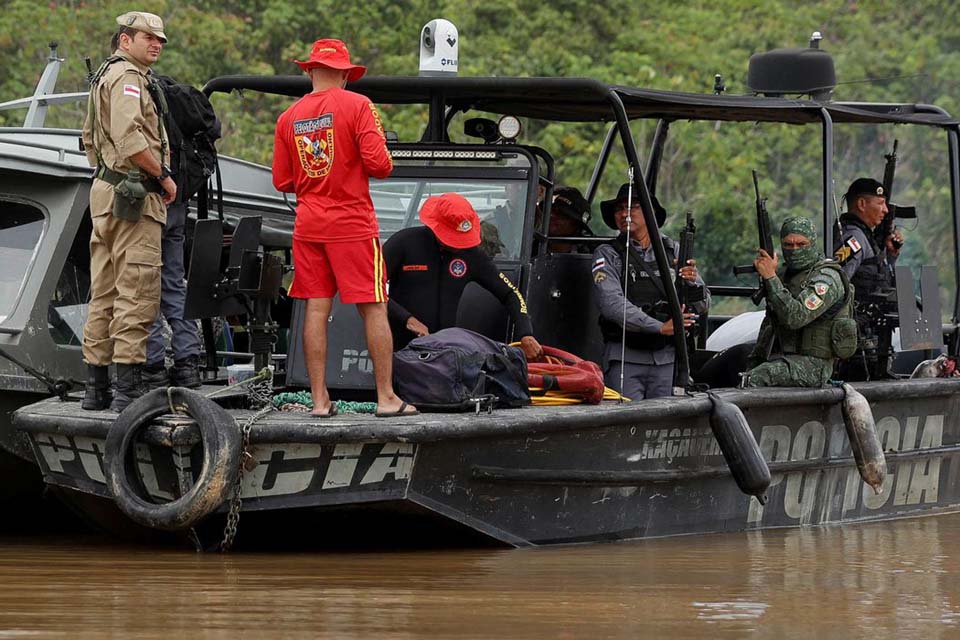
point(142, 21)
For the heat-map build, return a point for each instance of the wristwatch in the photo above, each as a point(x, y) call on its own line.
point(164, 172)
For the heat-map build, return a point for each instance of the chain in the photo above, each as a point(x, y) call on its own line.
point(247, 462)
point(260, 393)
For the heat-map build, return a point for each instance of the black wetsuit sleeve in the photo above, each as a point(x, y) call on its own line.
point(490, 278)
point(393, 256)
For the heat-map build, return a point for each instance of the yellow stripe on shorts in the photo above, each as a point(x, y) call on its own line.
point(377, 272)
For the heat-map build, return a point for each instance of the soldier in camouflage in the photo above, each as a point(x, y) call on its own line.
point(809, 314)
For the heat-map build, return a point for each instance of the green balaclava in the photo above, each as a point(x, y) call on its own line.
point(800, 259)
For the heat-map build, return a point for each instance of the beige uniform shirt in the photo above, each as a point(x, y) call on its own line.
point(127, 123)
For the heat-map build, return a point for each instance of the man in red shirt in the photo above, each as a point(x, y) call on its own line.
point(327, 146)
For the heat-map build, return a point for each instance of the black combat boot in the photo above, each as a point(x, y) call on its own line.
point(155, 376)
point(186, 373)
point(130, 386)
point(97, 395)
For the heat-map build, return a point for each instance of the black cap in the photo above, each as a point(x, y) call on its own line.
point(609, 207)
point(570, 203)
point(864, 187)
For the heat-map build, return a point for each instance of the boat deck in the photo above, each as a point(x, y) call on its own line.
point(56, 416)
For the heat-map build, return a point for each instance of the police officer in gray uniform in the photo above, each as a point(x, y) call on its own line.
point(647, 357)
point(868, 263)
point(184, 337)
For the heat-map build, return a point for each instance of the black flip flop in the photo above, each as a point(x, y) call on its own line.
point(399, 412)
point(329, 414)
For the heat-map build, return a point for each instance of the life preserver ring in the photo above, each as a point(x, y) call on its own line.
point(221, 441)
point(568, 374)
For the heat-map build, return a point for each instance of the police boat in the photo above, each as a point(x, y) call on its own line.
point(206, 465)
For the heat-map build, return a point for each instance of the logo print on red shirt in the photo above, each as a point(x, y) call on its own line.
point(314, 138)
point(458, 268)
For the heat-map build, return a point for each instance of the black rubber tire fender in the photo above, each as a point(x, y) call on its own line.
point(221, 441)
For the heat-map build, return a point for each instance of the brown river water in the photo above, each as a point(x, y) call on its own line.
point(884, 580)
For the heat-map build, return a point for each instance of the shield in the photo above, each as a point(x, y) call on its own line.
point(314, 139)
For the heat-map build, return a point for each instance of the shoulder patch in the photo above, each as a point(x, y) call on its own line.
point(599, 277)
point(853, 244)
point(843, 254)
point(599, 264)
point(131, 90)
point(813, 302)
point(821, 288)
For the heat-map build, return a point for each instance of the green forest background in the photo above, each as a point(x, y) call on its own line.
point(885, 50)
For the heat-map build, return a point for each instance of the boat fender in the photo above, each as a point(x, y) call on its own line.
point(221, 442)
point(862, 432)
point(739, 448)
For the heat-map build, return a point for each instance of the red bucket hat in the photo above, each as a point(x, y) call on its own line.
point(332, 54)
point(452, 219)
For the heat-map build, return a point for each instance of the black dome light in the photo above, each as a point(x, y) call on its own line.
point(793, 71)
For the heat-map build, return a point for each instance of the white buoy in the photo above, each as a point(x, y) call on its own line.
point(439, 48)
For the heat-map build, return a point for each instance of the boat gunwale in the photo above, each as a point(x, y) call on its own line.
point(291, 427)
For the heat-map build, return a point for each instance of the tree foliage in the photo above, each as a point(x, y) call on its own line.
point(884, 50)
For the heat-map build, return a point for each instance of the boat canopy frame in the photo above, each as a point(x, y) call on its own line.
point(590, 100)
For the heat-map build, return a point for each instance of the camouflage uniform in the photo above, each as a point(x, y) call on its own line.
point(795, 345)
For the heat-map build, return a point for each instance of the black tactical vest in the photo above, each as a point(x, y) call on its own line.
point(873, 273)
point(644, 291)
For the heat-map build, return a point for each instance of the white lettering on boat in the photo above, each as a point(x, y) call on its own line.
point(670, 444)
point(353, 358)
point(282, 469)
point(814, 496)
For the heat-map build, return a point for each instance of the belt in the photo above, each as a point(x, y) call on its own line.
point(115, 177)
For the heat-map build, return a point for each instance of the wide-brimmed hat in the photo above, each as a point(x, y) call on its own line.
point(332, 54)
point(452, 219)
point(143, 21)
point(570, 203)
point(609, 207)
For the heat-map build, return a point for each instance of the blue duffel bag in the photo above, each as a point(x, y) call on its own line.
point(455, 369)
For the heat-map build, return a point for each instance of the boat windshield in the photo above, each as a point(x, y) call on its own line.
point(499, 203)
point(20, 229)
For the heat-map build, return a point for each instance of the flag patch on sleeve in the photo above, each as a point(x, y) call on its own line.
point(599, 264)
point(813, 302)
point(821, 288)
point(131, 90)
point(854, 245)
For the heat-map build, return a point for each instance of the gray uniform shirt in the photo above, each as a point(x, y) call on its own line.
point(608, 292)
point(854, 247)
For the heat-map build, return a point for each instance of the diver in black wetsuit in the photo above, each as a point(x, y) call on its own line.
point(428, 268)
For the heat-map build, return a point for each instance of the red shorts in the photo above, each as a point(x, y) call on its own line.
point(355, 268)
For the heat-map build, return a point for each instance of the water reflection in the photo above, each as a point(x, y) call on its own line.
point(894, 579)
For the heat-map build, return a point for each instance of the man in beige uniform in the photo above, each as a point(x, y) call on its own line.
point(124, 139)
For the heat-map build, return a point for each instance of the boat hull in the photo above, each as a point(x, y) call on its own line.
point(540, 476)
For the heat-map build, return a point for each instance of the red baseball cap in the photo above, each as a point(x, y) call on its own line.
point(452, 219)
point(332, 54)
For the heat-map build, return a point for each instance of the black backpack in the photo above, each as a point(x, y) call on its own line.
point(193, 128)
point(456, 370)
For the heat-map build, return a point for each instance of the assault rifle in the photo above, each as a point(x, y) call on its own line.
point(685, 293)
point(886, 227)
point(766, 240)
